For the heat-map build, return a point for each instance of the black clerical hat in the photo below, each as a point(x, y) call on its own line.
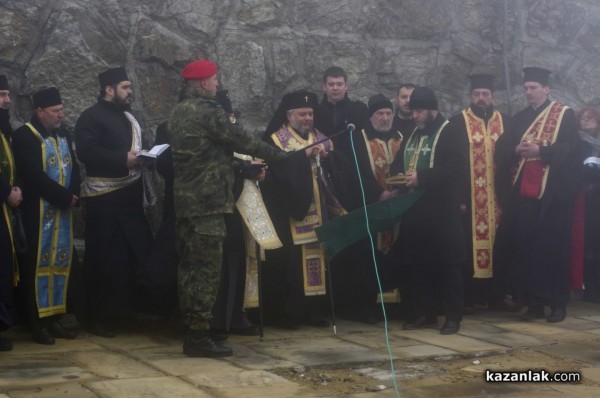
point(46, 98)
point(299, 99)
point(423, 98)
point(482, 81)
point(3, 82)
point(112, 76)
point(377, 102)
point(536, 74)
point(294, 100)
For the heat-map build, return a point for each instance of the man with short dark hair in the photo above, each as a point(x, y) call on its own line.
point(49, 172)
point(433, 160)
point(117, 234)
point(483, 125)
point(336, 110)
point(537, 161)
point(10, 198)
point(403, 120)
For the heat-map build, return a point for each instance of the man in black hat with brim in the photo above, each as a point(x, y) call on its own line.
point(117, 234)
point(49, 173)
point(483, 125)
point(434, 161)
point(10, 198)
point(537, 161)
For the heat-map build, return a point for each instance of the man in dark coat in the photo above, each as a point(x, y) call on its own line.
point(536, 161)
point(482, 125)
point(49, 173)
point(336, 110)
point(434, 161)
point(117, 234)
point(403, 120)
point(10, 198)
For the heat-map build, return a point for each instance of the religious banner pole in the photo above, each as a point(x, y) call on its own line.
point(260, 295)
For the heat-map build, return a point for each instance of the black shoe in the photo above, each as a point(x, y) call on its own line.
point(533, 312)
point(450, 327)
point(5, 344)
point(420, 323)
point(101, 329)
point(59, 332)
point(42, 336)
point(557, 315)
point(198, 344)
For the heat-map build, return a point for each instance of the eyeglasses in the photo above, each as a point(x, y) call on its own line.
point(586, 118)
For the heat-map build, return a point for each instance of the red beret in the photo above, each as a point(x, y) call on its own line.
point(199, 70)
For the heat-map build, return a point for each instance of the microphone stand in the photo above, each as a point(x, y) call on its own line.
point(350, 129)
point(325, 219)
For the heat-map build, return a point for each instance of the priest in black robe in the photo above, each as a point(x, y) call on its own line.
point(117, 233)
point(432, 244)
point(537, 163)
point(294, 278)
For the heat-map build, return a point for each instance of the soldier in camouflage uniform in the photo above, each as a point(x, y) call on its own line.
point(203, 142)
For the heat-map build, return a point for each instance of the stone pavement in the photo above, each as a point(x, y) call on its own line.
point(147, 361)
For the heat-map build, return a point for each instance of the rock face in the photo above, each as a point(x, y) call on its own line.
point(268, 47)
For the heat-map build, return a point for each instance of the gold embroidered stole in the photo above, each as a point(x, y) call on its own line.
point(484, 207)
point(7, 168)
point(258, 229)
point(303, 232)
point(381, 155)
point(542, 131)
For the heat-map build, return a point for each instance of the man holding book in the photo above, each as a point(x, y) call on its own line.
point(117, 234)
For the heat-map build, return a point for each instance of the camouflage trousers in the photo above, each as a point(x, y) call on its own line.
point(200, 248)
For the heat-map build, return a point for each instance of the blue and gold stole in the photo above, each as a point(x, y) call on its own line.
point(55, 239)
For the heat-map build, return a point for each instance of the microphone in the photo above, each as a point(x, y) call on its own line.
point(350, 127)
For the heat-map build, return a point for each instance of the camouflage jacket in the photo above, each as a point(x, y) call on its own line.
point(203, 141)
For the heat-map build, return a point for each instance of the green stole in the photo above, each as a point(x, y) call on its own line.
point(419, 152)
point(55, 236)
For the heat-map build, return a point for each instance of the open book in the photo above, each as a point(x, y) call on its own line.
point(154, 152)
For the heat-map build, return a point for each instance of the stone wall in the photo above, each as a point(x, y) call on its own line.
point(268, 47)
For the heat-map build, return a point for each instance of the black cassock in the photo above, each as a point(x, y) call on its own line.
point(533, 237)
point(117, 235)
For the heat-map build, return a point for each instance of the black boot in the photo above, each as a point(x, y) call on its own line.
point(41, 335)
point(59, 332)
point(557, 314)
point(197, 343)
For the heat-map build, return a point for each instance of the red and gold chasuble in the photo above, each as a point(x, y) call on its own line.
point(381, 155)
point(303, 232)
point(484, 206)
point(543, 131)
